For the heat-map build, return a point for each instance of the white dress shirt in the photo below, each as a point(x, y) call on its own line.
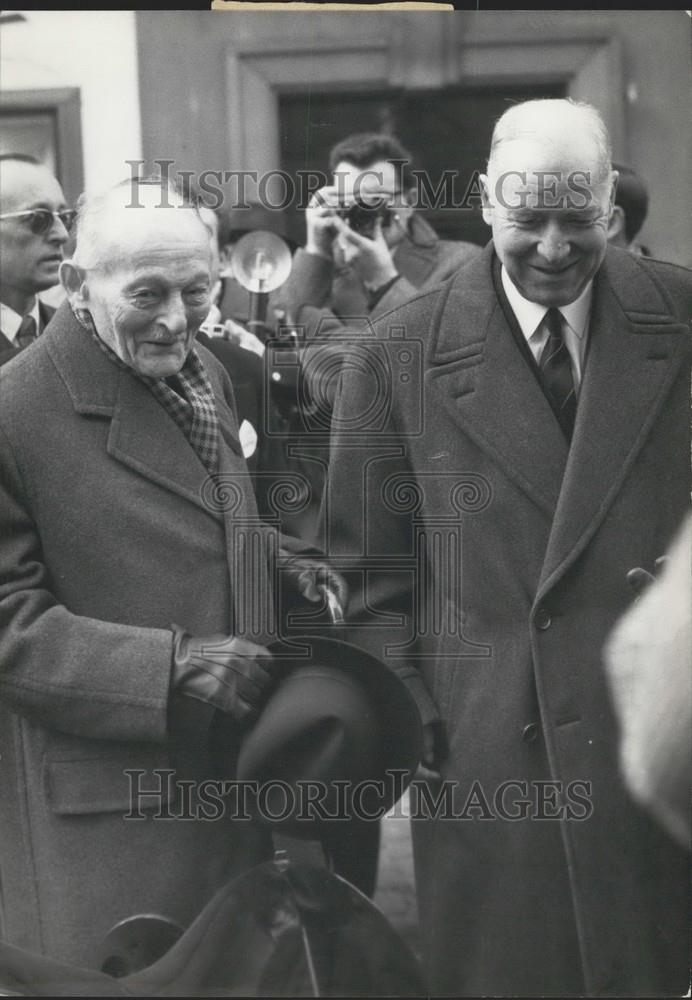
point(10, 321)
point(530, 317)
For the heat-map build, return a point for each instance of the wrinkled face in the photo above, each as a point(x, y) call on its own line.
point(381, 181)
point(151, 291)
point(29, 262)
point(549, 209)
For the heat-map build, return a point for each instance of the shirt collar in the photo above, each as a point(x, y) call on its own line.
point(530, 314)
point(10, 321)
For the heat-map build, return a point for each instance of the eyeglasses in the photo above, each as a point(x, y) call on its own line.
point(40, 220)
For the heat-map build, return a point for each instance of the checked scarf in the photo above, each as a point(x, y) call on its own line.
point(191, 404)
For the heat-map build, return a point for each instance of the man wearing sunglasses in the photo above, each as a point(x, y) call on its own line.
point(34, 226)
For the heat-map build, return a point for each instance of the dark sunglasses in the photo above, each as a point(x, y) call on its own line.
point(40, 220)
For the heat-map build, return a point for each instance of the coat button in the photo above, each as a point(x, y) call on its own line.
point(529, 733)
point(543, 619)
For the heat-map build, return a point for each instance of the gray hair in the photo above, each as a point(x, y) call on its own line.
point(92, 211)
point(523, 121)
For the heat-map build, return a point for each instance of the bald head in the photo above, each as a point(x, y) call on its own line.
point(570, 134)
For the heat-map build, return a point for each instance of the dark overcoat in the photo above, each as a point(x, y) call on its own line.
point(451, 481)
point(110, 531)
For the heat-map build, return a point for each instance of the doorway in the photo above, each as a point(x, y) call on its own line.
point(444, 130)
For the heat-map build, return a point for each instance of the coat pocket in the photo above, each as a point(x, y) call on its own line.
point(108, 783)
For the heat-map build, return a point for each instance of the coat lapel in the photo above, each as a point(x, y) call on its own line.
point(142, 435)
point(46, 314)
point(487, 386)
point(147, 439)
point(636, 350)
point(7, 349)
point(415, 257)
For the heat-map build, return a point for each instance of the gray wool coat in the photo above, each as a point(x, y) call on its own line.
point(453, 494)
point(108, 534)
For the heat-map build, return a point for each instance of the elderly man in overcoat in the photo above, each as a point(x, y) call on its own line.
point(510, 445)
point(131, 611)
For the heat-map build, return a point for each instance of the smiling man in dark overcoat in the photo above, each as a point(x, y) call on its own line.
point(494, 498)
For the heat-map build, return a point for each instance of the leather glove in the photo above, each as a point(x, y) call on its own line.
point(224, 671)
point(310, 576)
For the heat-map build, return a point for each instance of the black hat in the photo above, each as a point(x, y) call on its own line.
point(340, 737)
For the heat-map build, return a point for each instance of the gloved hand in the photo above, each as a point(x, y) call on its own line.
point(230, 673)
point(310, 575)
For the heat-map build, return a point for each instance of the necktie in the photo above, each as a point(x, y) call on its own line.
point(27, 332)
point(556, 372)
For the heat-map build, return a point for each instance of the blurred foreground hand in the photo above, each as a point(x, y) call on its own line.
point(649, 662)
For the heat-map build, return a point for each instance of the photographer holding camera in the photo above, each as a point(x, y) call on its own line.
point(367, 249)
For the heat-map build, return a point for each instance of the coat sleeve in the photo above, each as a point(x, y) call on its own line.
point(89, 678)
point(359, 523)
point(452, 256)
point(395, 296)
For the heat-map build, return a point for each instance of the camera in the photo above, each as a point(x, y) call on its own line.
point(362, 216)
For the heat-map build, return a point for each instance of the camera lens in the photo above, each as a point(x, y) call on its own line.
point(362, 216)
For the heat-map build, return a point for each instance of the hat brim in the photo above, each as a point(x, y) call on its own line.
point(401, 731)
point(393, 716)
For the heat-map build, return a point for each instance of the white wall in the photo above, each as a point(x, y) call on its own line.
point(97, 52)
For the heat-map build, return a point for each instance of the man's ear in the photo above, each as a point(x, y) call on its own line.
point(72, 279)
point(614, 177)
point(486, 200)
point(616, 226)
